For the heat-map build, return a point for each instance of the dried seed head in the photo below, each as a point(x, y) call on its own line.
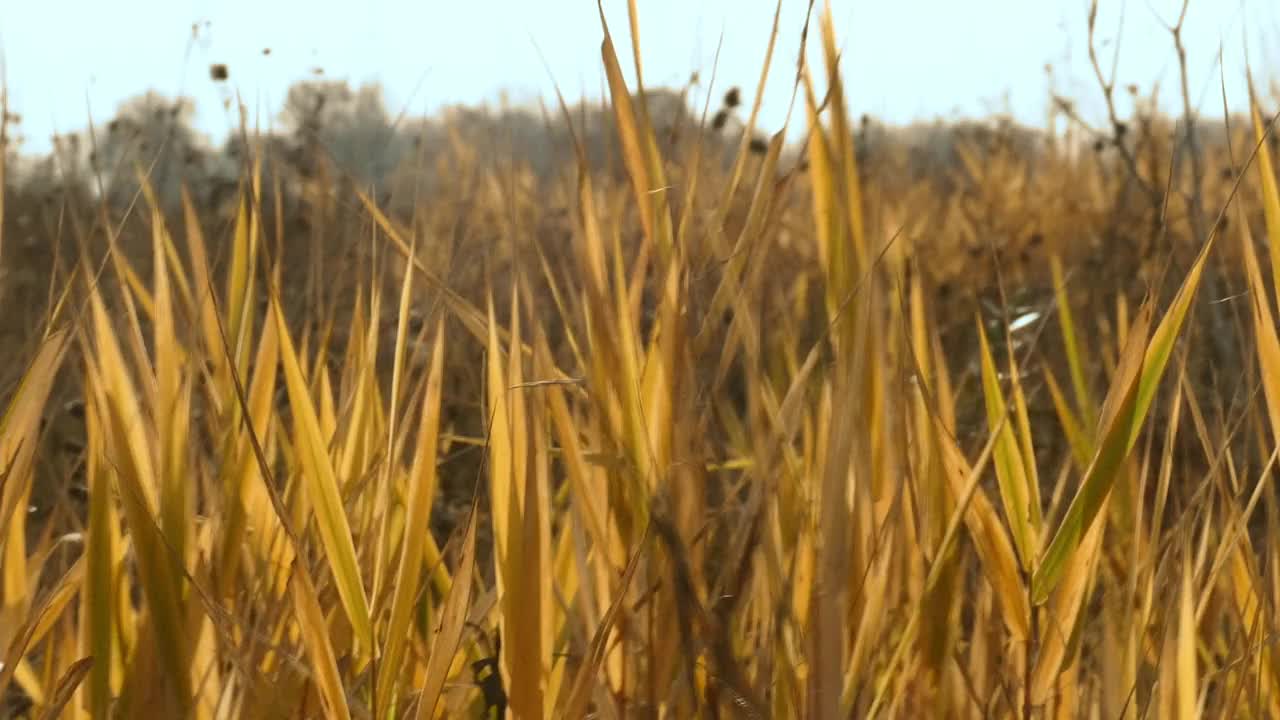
point(218, 72)
point(266, 51)
point(719, 120)
point(733, 98)
point(759, 146)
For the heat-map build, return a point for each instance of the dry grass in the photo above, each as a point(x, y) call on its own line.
point(677, 441)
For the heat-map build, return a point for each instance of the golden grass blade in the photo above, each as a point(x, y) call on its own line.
point(1009, 463)
point(1123, 415)
point(453, 616)
point(832, 253)
point(383, 507)
point(639, 150)
point(501, 462)
point(1270, 192)
point(240, 283)
point(1080, 442)
point(994, 549)
point(1026, 443)
point(1062, 620)
point(1119, 413)
point(829, 593)
point(19, 436)
point(250, 503)
point(1267, 344)
point(203, 301)
point(321, 486)
point(1187, 643)
point(66, 688)
point(1084, 399)
point(129, 447)
point(523, 549)
point(422, 490)
point(590, 498)
point(167, 249)
point(968, 492)
point(171, 407)
point(99, 600)
point(42, 616)
point(315, 635)
point(580, 689)
point(849, 199)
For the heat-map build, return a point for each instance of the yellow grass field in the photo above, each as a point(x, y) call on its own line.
point(711, 427)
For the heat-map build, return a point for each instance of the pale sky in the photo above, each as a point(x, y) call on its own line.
point(903, 61)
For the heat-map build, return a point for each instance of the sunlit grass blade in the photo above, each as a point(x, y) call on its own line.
point(1009, 463)
point(315, 635)
point(1081, 442)
point(1187, 643)
point(453, 617)
point(322, 492)
point(66, 688)
point(99, 600)
point(137, 484)
point(1084, 398)
point(19, 437)
point(967, 491)
point(580, 689)
point(422, 490)
point(1123, 415)
point(639, 150)
point(31, 629)
point(1270, 192)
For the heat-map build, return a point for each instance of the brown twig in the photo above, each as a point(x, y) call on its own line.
point(1108, 85)
point(1194, 198)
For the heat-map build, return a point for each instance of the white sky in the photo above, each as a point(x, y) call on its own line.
point(903, 60)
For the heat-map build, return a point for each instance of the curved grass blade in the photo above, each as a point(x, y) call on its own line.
point(321, 485)
point(422, 484)
point(315, 635)
point(1010, 466)
point(1133, 388)
point(453, 618)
